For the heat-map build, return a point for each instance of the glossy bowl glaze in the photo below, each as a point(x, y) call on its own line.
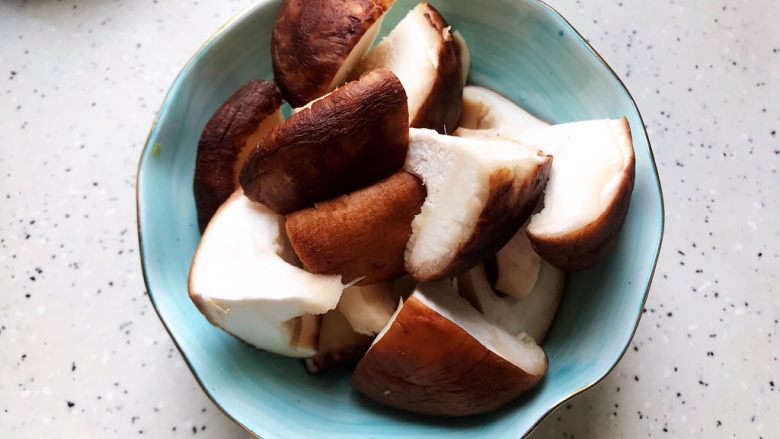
point(521, 48)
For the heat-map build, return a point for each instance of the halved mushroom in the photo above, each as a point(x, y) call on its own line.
point(242, 283)
point(338, 344)
point(361, 236)
point(532, 314)
point(350, 139)
point(588, 193)
point(488, 114)
point(479, 193)
point(315, 44)
point(231, 133)
point(368, 307)
point(422, 52)
point(440, 356)
point(590, 183)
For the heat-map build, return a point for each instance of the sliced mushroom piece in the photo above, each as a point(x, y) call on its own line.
point(316, 44)
point(422, 52)
point(488, 114)
point(368, 307)
point(348, 140)
point(517, 266)
point(594, 163)
point(532, 314)
point(232, 132)
point(240, 281)
point(338, 344)
point(440, 356)
point(588, 194)
point(479, 193)
point(361, 236)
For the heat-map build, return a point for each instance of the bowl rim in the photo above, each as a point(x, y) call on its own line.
point(261, 3)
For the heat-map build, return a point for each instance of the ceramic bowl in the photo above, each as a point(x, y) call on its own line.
point(521, 48)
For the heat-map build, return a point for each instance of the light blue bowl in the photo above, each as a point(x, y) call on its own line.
point(524, 50)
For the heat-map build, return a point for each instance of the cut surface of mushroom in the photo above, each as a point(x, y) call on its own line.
point(240, 281)
point(533, 314)
point(588, 193)
point(368, 308)
point(422, 52)
point(479, 193)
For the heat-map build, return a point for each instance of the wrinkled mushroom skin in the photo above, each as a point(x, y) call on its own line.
point(588, 246)
point(361, 235)
point(311, 40)
point(350, 139)
point(441, 110)
point(426, 364)
point(223, 141)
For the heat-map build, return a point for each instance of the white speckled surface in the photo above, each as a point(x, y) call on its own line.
point(82, 353)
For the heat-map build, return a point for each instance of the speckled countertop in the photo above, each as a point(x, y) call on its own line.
point(82, 353)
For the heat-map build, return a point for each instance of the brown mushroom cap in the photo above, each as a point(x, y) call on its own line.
point(362, 235)
point(235, 128)
point(439, 356)
point(441, 109)
point(350, 139)
point(313, 39)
